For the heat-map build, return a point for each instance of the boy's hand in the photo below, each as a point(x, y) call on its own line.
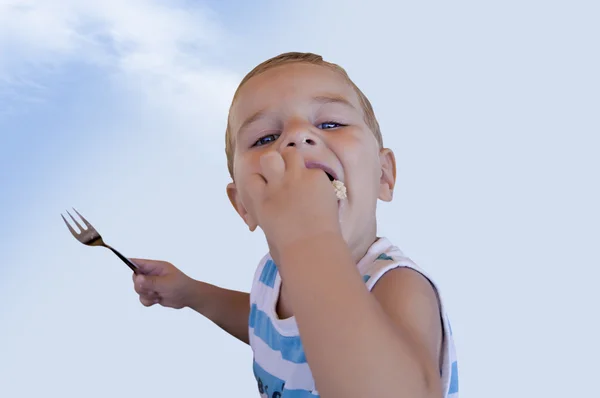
point(162, 283)
point(292, 203)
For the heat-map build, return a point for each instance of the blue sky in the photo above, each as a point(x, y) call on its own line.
point(119, 109)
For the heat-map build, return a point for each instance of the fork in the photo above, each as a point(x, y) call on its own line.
point(91, 237)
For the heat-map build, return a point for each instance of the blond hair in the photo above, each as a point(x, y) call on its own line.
point(309, 58)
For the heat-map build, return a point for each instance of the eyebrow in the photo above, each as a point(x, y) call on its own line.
point(332, 99)
point(255, 117)
point(320, 99)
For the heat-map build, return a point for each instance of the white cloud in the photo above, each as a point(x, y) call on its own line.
point(155, 51)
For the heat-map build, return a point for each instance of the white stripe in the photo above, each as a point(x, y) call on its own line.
point(263, 299)
point(265, 303)
point(272, 362)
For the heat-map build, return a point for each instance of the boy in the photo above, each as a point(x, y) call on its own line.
point(334, 310)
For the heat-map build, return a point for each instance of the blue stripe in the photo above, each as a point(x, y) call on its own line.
point(384, 256)
point(366, 278)
point(454, 379)
point(268, 274)
point(290, 346)
point(272, 386)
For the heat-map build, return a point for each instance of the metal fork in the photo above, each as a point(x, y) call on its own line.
point(91, 237)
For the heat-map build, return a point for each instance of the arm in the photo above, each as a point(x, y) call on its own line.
point(228, 309)
point(358, 344)
point(162, 282)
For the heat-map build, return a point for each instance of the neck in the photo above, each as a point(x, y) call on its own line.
point(361, 244)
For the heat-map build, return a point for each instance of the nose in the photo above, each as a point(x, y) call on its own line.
point(303, 141)
point(298, 135)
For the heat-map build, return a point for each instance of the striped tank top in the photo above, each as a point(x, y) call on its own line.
point(279, 364)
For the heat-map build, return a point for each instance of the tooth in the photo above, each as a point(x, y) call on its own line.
point(339, 188)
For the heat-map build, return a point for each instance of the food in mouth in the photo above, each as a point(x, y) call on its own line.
point(338, 187)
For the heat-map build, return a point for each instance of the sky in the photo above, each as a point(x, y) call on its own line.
point(118, 109)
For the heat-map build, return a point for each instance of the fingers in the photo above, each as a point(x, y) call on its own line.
point(151, 280)
point(145, 286)
point(293, 160)
point(148, 301)
point(275, 166)
point(272, 170)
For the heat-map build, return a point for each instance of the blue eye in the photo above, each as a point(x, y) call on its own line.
point(329, 125)
point(267, 139)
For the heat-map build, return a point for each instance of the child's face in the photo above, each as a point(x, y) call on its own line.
point(314, 109)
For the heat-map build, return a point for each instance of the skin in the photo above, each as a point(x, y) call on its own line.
point(290, 123)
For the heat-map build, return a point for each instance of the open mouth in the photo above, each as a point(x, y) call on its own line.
point(338, 186)
point(327, 170)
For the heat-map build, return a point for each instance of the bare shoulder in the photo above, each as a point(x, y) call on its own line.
point(412, 304)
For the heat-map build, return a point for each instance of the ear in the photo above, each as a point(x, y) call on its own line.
point(234, 198)
point(387, 161)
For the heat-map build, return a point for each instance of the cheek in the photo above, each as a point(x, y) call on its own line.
point(348, 150)
point(242, 193)
point(371, 175)
point(360, 160)
point(245, 163)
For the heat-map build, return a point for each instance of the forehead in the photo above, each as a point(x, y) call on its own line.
point(287, 86)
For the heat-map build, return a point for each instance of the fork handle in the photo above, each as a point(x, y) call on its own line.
point(129, 263)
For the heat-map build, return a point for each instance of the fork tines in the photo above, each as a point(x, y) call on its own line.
point(81, 229)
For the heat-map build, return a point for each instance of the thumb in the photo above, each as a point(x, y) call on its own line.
point(147, 266)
